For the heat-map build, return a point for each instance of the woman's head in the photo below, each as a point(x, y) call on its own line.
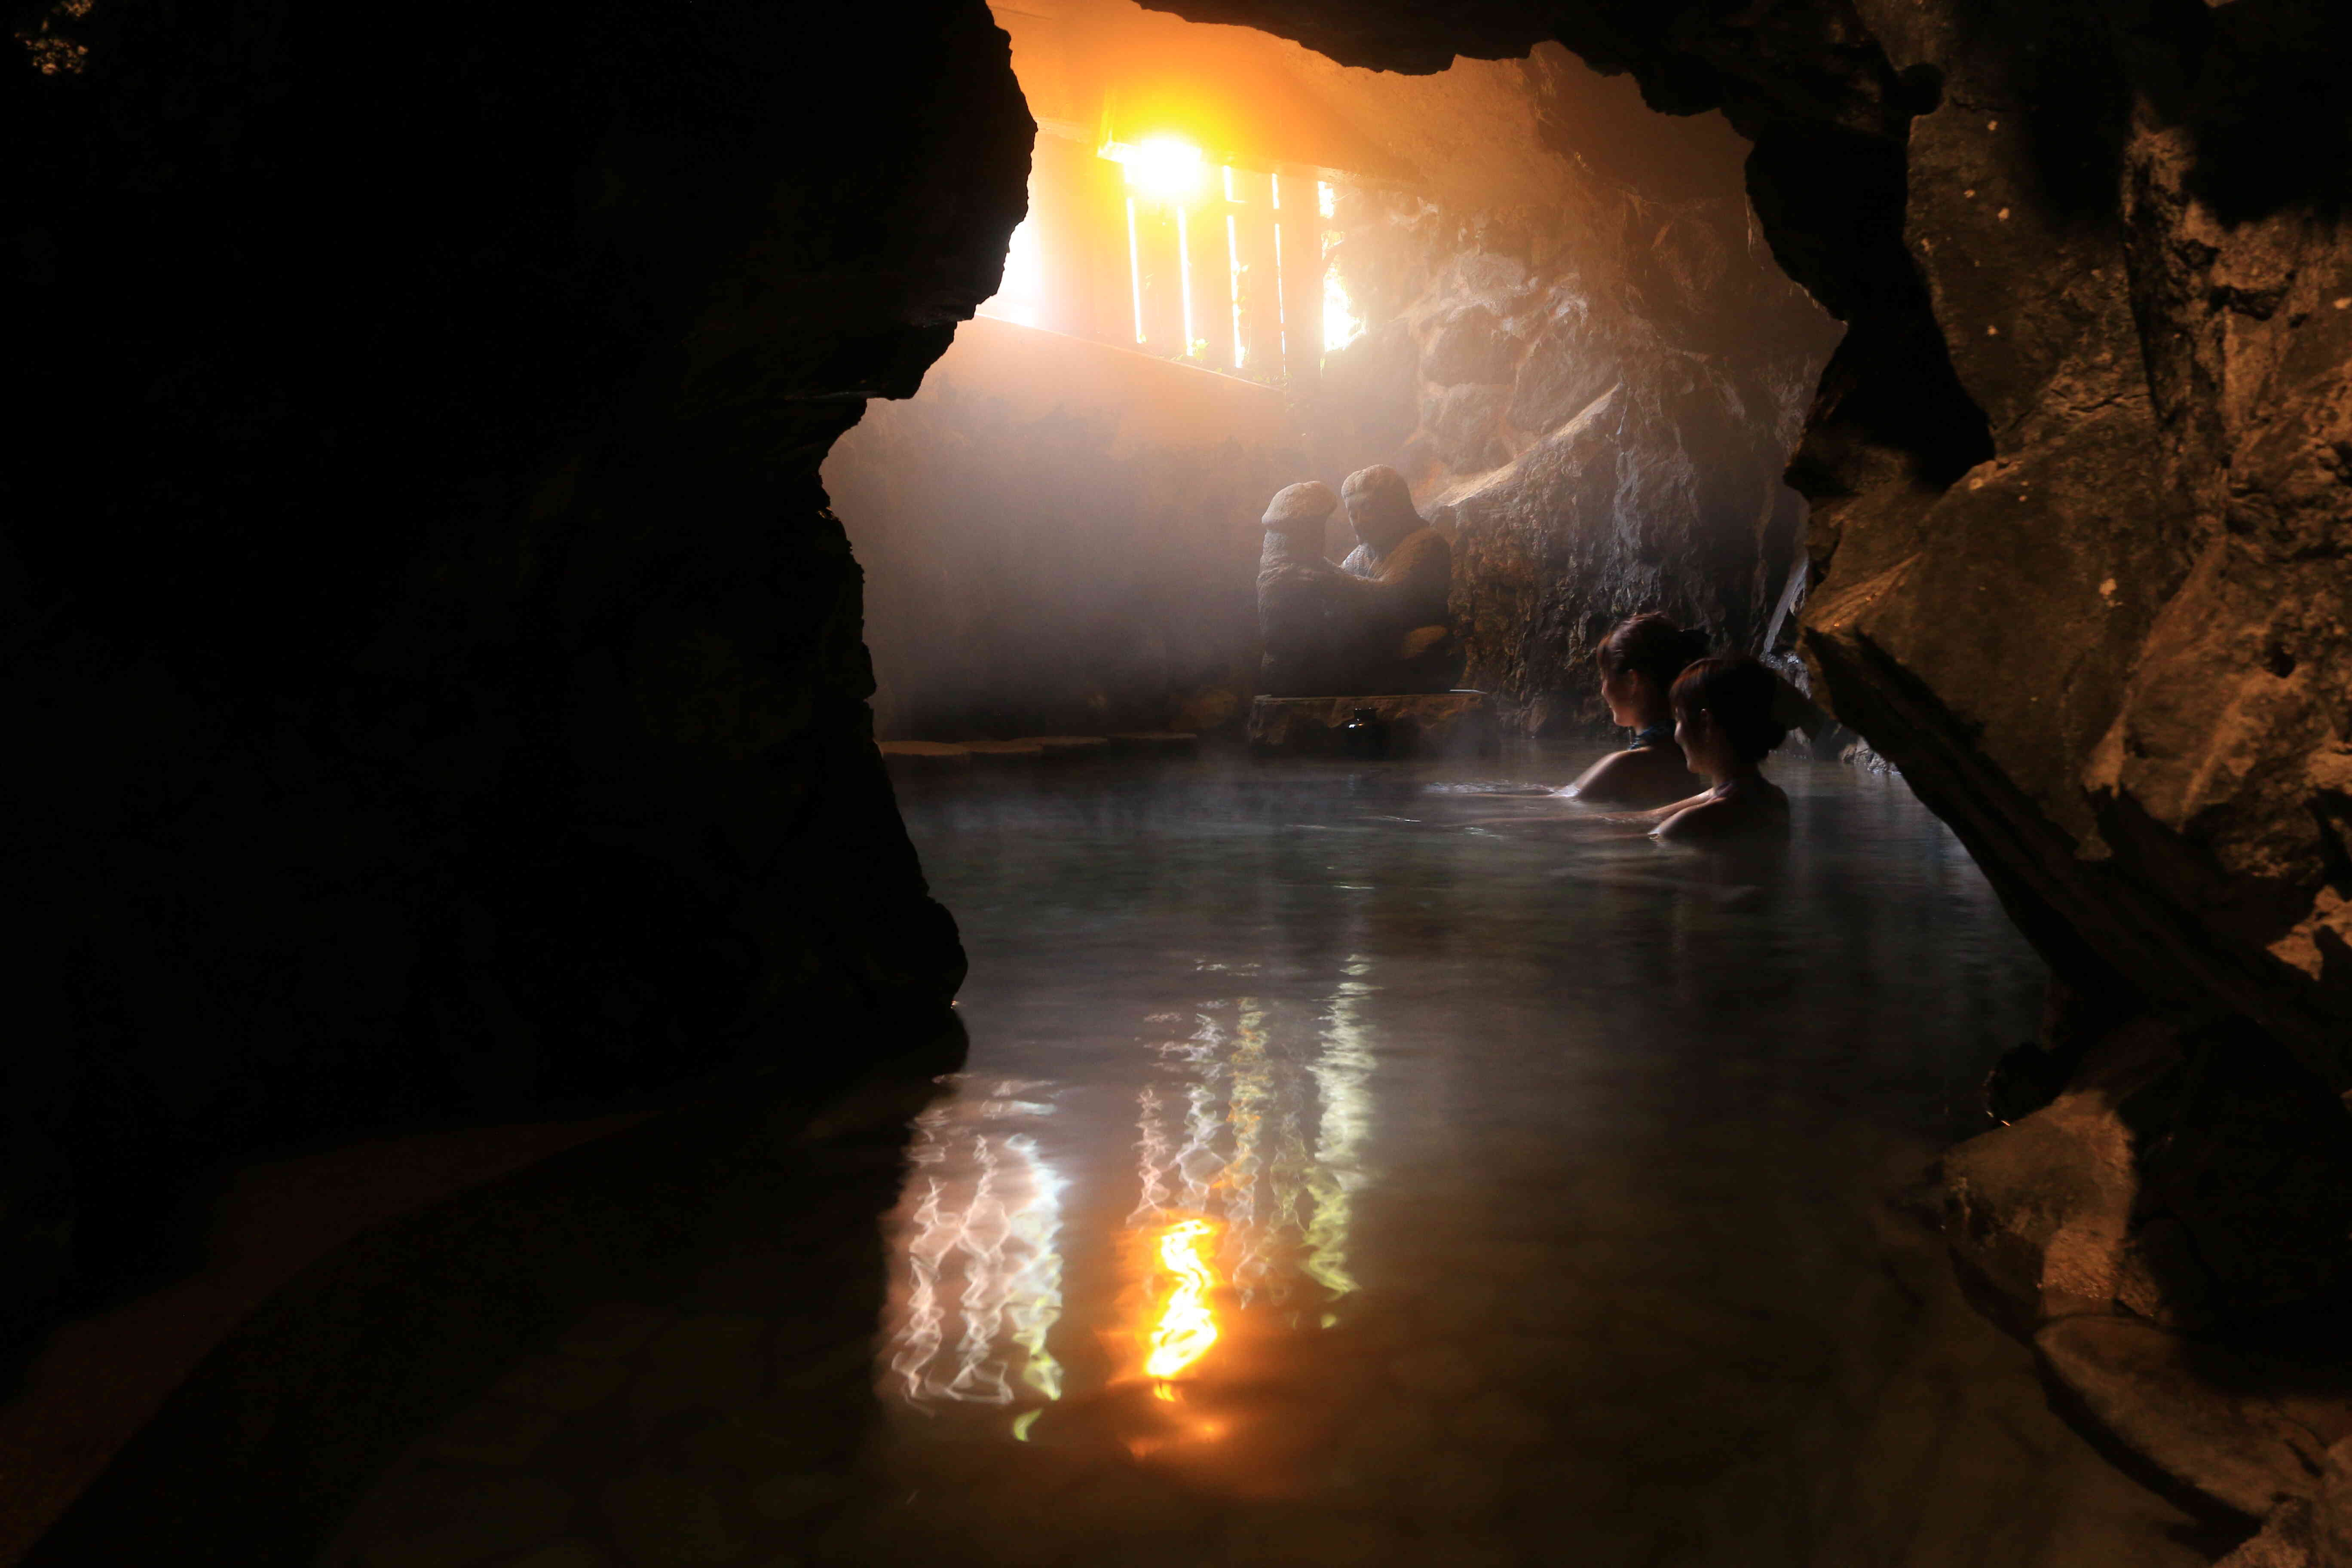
point(1723, 712)
point(1639, 661)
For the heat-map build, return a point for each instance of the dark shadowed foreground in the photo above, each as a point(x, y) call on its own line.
point(1355, 1168)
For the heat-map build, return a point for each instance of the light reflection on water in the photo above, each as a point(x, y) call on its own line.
point(981, 1285)
point(1390, 1167)
point(1246, 1151)
point(1352, 1166)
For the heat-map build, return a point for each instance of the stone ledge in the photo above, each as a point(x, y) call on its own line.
point(925, 756)
point(1426, 724)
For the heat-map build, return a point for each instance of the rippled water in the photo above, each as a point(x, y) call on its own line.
point(1384, 1165)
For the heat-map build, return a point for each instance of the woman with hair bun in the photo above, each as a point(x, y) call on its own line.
point(1639, 661)
point(1725, 724)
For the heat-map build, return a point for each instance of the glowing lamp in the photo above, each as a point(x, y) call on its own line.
point(1167, 167)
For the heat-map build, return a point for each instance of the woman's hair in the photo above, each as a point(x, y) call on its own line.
point(1649, 644)
point(1738, 693)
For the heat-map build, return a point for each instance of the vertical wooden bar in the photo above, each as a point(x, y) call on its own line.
point(1261, 315)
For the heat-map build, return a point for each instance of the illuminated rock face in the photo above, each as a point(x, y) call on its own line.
point(435, 682)
point(2077, 468)
point(1594, 376)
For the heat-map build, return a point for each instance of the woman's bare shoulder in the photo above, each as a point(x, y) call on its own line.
point(1725, 817)
point(1633, 778)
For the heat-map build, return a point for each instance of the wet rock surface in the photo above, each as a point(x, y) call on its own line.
point(1593, 391)
point(2247, 1432)
point(2193, 1182)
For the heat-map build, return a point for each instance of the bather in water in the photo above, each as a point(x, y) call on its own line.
point(1639, 662)
point(1725, 724)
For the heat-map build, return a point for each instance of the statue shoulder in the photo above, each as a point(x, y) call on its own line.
point(1425, 540)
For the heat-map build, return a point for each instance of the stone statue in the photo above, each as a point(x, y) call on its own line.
point(1406, 639)
point(1300, 610)
point(1377, 625)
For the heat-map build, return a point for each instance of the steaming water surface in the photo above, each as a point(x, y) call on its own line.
point(1388, 1165)
point(1393, 1166)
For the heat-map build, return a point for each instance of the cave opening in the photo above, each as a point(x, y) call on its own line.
point(1243, 266)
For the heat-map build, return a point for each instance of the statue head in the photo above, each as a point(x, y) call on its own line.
point(1296, 516)
point(1379, 507)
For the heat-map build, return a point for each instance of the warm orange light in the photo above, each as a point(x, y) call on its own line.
point(1341, 326)
point(1166, 167)
point(1281, 294)
point(1233, 279)
point(1134, 269)
point(1184, 273)
point(1188, 1324)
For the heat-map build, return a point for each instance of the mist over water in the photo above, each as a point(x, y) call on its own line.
point(1391, 1166)
point(1401, 1165)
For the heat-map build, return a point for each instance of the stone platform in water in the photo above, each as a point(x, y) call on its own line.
point(930, 756)
point(1422, 724)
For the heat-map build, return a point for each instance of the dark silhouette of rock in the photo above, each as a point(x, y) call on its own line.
point(436, 677)
point(2230, 1429)
point(2194, 1178)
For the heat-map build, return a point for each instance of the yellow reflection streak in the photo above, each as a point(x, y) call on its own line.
point(1341, 1075)
point(1188, 1323)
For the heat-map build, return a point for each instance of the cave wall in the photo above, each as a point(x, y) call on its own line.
point(2077, 466)
point(434, 679)
point(1591, 375)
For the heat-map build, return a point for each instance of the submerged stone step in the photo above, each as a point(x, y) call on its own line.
point(925, 754)
point(1067, 745)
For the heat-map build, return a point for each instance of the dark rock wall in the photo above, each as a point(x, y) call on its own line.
point(1593, 383)
point(434, 683)
point(2077, 466)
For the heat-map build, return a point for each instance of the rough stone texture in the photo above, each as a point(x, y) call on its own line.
point(2226, 1428)
point(2145, 316)
point(2190, 1182)
point(2077, 473)
point(1451, 725)
point(2285, 1540)
point(1591, 373)
point(433, 679)
point(2332, 1517)
point(2077, 477)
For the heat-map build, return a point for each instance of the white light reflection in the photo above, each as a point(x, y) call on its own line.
point(980, 1287)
